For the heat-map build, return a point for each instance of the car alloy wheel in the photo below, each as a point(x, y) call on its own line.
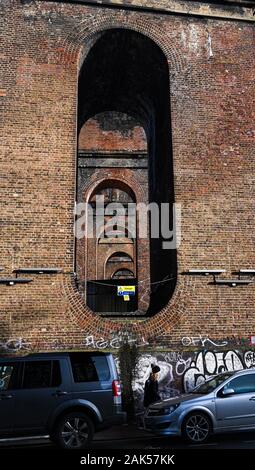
point(197, 428)
point(74, 431)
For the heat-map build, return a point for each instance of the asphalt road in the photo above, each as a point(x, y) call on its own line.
point(226, 441)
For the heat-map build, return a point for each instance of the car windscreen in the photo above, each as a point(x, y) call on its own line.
point(211, 384)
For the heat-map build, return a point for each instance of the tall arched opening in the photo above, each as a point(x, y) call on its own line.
point(124, 130)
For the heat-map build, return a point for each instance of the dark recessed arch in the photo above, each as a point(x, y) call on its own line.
point(123, 274)
point(120, 256)
point(113, 184)
point(127, 72)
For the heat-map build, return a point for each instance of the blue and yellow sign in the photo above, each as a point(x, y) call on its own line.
point(125, 290)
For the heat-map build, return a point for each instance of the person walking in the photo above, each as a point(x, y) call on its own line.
point(151, 394)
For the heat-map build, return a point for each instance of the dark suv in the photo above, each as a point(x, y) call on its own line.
point(68, 396)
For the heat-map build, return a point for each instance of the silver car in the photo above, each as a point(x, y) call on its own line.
point(223, 403)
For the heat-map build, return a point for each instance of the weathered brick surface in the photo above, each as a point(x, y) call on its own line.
point(211, 66)
point(95, 135)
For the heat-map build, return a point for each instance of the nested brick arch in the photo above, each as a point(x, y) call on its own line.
point(118, 254)
point(110, 270)
point(106, 248)
point(123, 269)
point(113, 176)
point(118, 182)
point(98, 180)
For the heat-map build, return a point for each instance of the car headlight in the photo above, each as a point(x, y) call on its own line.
point(163, 411)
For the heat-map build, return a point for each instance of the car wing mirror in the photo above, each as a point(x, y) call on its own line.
point(227, 392)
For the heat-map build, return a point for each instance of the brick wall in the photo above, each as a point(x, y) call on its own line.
point(125, 134)
point(211, 66)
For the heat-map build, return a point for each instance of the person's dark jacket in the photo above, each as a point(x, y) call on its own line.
point(151, 394)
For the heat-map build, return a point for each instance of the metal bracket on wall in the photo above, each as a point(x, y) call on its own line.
point(231, 282)
point(223, 282)
point(37, 271)
point(204, 272)
point(245, 272)
point(12, 281)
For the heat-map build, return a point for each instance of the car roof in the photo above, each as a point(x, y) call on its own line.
point(243, 371)
point(50, 355)
point(232, 373)
point(228, 374)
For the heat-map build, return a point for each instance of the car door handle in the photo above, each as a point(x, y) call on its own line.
point(59, 393)
point(252, 399)
point(5, 397)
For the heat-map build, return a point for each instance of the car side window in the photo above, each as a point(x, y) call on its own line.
point(242, 384)
point(56, 379)
point(6, 374)
point(41, 374)
point(102, 367)
point(83, 368)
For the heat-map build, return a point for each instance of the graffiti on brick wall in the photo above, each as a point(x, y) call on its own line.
point(172, 365)
point(166, 380)
point(14, 345)
point(181, 371)
point(113, 343)
point(209, 363)
point(201, 341)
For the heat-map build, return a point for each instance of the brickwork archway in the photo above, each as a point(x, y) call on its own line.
point(176, 63)
point(139, 195)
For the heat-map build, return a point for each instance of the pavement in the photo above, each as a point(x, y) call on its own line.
point(121, 432)
point(130, 436)
point(118, 433)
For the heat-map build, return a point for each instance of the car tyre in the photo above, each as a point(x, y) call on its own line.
point(73, 431)
point(197, 428)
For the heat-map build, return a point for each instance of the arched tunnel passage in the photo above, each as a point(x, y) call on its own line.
point(126, 72)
